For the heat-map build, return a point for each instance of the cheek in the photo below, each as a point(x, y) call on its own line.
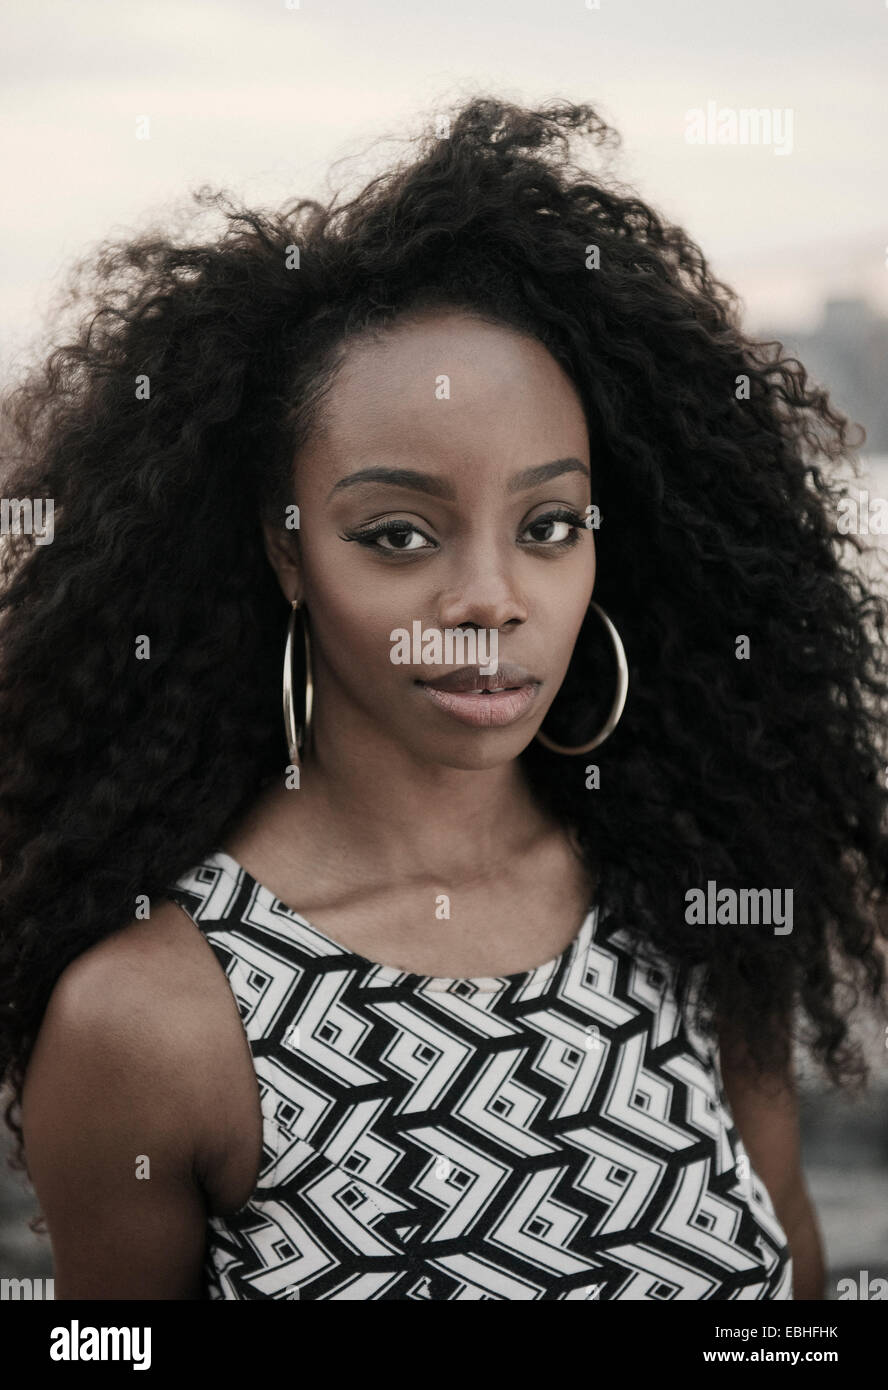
point(354, 614)
point(562, 627)
point(564, 606)
point(342, 618)
point(354, 633)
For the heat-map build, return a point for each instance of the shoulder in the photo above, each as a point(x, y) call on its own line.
point(126, 1083)
point(138, 981)
point(129, 1030)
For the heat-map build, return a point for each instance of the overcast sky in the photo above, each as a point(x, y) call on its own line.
point(259, 98)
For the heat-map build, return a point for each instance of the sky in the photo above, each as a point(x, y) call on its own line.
point(262, 96)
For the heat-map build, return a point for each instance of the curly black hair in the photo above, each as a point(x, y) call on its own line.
point(167, 431)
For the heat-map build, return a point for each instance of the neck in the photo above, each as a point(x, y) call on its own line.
point(390, 809)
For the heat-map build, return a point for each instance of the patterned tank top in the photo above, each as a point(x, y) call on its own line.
point(562, 1133)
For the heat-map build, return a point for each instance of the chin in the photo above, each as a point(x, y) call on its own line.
point(471, 754)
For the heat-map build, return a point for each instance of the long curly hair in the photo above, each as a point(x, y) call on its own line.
point(166, 431)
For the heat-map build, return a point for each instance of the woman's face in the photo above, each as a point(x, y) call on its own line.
point(493, 436)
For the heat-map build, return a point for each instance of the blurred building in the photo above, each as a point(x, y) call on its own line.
point(848, 353)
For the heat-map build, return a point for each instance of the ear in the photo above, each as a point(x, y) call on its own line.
point(282, 549)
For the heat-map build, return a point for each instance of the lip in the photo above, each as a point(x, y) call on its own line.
point(468, 678)
point(483, 711)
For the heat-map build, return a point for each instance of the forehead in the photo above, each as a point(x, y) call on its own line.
point(451, 388)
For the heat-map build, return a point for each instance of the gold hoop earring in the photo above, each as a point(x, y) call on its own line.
point(297, 735)
point(619, 699)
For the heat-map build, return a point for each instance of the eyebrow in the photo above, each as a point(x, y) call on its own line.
point(438, 487)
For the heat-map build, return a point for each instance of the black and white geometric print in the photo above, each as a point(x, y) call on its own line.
point(558, 1134)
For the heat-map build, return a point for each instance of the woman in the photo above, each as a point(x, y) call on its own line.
point(486, 1042)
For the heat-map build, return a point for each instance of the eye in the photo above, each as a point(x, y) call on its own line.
point(401, 530)
point(570, 523)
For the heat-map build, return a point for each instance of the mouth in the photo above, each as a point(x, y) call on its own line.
point(470, 680)
point(480, 706)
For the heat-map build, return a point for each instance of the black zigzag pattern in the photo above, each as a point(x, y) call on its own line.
point(558, 1134)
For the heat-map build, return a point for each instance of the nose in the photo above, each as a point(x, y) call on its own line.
point(486, 594)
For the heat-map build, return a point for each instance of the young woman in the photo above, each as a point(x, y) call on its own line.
point(515, 946)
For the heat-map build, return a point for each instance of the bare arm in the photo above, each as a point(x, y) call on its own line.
point(112, 1083)
point(766, 1114)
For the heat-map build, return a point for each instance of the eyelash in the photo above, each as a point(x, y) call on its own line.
point(368, 537)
